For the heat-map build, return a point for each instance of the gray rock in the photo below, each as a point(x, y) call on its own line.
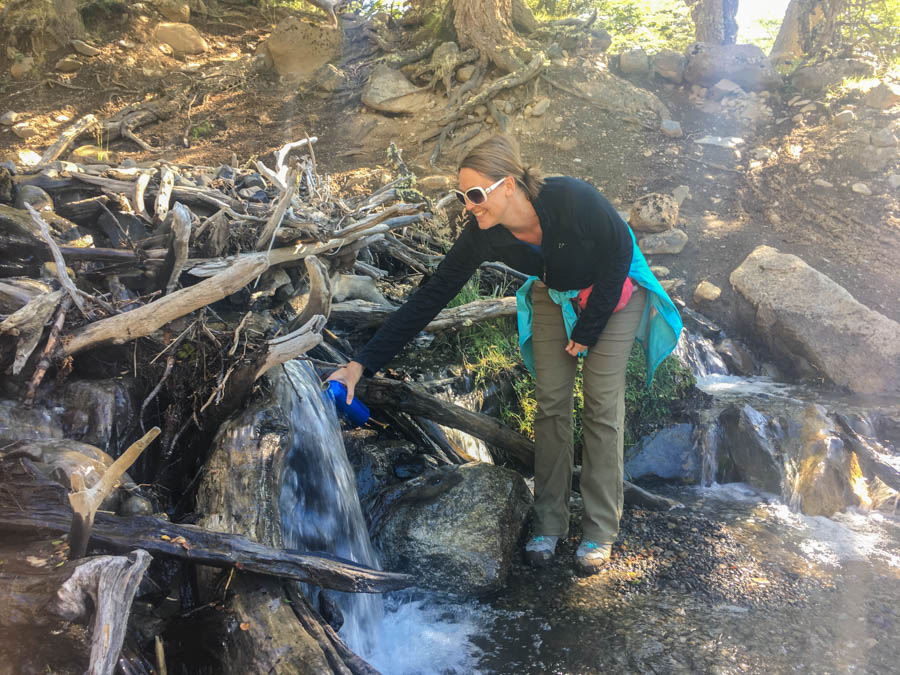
point(894, 180)
point(801, 314)
point(135, 505)
point(669, 65)
point(817, 77)
point(540, 107)
point(84, 48)
point(861, 189)
point(601, 39)
point(844, 118)
point(883, 96)
point(668, 454)
point(660, 271)
point(329, 78)
point(174, 10)
point(31, 194)
point(389, 91)
point(623, 96)
point(736, 356)
point(671, 242)
point(746, 65)
point(9, 118)
point(654, 212)
point(724, 88)
point(884, 138)
point(23, 130)
point(182, 37)
point(671, 128)
point(634, 62)
point(457, 528)
point(748, 451)
point(9, 166)
point(681, 193)
point(730, 142)
point(297, 49)
point(822, 183)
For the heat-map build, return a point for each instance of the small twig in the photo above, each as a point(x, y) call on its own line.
point(58, 258)
point(170, 362)
point(44, 362)
point(237, 332)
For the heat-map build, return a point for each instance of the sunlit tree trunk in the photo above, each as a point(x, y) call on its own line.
point(808, 27)
point(486, 25)
point(714, 21)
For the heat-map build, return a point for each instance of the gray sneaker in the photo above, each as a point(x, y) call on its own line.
point(540, 549)
point(591, 556)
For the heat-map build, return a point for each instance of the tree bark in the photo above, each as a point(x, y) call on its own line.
point(486, 25)
point(807, 28)
point(714, 21)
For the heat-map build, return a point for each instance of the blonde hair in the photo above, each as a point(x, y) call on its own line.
point(498, 157)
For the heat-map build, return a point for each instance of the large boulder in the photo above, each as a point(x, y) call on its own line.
point(634, 62)
point(669, 65)
point(802, 315)
point(883, 97)
point(297, 49)
point(669, 454)
point(817, 77)
point(183, 38)
point(620, 95)
point(455, 529)
point(389, 91)
point(745, 65)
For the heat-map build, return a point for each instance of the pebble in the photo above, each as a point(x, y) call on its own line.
point(671, 128)
point(894, 180)
point(821, 182)
point(84, 48)
point(9, 118)
point(861, 189)
point(68, 64)
point(845, 118)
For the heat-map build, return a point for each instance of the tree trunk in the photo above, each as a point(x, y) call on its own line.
point(714, 21)
point(807, 28)
point(486, 25)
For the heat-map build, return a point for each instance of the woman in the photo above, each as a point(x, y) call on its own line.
point(589, 294)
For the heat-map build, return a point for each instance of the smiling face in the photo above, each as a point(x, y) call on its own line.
point(490, 212)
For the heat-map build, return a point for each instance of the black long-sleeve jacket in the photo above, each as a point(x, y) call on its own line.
point(584, 242)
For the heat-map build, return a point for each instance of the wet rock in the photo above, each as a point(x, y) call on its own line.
point(724, 88)
point(799, 313)
point(669, 65)
point(21, 68)
point(749, 451)
point(298, 48)
point(706, 292)
point(655, 212)
point(818, 77)
point(746, 65)
point(861, 189)
point(634, 62)
point(736, 357)
point(671, 128)
point(84, 48)
point(31, 194)
point(135, 505)
point(883, 96)
point(68, 64)
point(19, 423)
point(457, 528)
point(9, 118)
point(671, 242)
point(182, 37)
point(23, 130)
point(668, 454)
point(389, 91)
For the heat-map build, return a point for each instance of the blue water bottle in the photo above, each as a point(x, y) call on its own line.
point(356, 413)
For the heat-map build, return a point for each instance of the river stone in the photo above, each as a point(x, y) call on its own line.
point(457, 528)
point(68, 64)
point(736, 357)
point(671, 128)
point(883, 96)
point(9, 118)
point(84, 48)
point(668, 454)
point(389, 91)
point(748, 452)
point(298, 48)
point(18, 423)
point(669, 65)
point(634, 62)
point(746, 65)
point(100, 412)
point(818, 77)
point(706, 292)
point(861, 189)
point(799, 312)
point(23, 130)
point(670, 242)
point(182, 37)
point(654, 212)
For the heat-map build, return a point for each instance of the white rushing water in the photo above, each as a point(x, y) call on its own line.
point(405, 634)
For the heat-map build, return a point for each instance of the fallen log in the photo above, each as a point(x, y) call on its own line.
point(361, 314)
point(148, 318)
point(34, 504)
point(86, 123)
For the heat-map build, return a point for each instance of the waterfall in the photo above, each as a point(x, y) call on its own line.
point(700, 356)
point(320, 508)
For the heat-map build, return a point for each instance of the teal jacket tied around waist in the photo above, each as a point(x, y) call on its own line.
point(658, 331)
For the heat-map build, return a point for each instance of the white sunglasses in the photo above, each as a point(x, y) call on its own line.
point(477, 195)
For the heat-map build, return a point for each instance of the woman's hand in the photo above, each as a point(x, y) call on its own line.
point(348, 375)
point(575, 348)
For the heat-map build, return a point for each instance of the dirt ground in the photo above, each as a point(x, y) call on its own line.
point(236, 109)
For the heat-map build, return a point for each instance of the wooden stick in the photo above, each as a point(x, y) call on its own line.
point(148, 318)
point(54, 151)
point(292, 345)
point(61, 273)
point(164, 195)
point(319, 297)
point(44, 362)
point(27, 324)
point(86, 501)
point(140, 185)
point(181, 230)
point(267, 234)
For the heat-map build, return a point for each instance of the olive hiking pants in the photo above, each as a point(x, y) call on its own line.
point(603, 420)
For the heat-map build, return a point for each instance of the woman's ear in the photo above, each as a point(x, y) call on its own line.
point(509, 185)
